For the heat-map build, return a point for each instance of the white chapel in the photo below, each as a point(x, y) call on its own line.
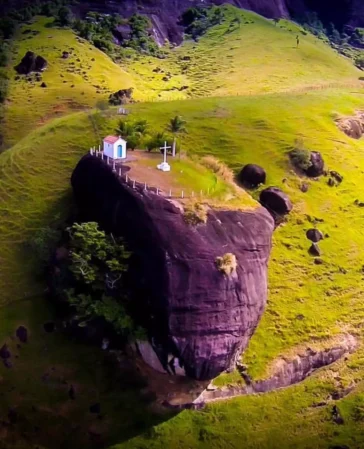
point(114, 147)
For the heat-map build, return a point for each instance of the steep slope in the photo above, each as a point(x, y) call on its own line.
point(245, 55)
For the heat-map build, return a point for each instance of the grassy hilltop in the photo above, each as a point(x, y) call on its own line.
point(307, 303)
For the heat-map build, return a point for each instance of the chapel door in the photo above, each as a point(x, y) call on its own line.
point(120, 151)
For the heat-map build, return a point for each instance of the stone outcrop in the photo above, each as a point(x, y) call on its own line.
point(276, 201)
point(252, 175)
point(31, 63)
point(352, 126)
point(286, 372)
point(199, 319)
point(317, 166)
point(314, 235)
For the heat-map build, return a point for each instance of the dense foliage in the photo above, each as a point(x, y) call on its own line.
point(198, 20)
point(98, 263)
point(300, 156)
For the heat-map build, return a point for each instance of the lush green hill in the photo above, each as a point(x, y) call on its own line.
point(307, 302)
point(34, 188)
point(243, 58)
point(78, 82)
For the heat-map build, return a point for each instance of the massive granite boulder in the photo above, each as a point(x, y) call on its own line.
point(199, 319)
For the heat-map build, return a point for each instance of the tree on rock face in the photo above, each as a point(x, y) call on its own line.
point(252, 175)
point(176, 126)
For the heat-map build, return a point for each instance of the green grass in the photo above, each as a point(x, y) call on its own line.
point(30, 106)
point(307, 303)
point(255, 57)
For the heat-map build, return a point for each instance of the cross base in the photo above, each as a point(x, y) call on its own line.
point(164, 166)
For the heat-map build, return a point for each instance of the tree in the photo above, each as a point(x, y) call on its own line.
point(134, 141)
point(64, 16)
point(176, 126)
point(125, 129)
point(141, 126)
point(156, 141)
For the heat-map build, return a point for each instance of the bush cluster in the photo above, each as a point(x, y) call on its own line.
point(199, 19)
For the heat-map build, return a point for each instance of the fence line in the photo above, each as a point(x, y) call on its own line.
point(143, 186)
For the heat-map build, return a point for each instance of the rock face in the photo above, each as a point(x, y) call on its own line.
point(252, 175)
point(197, 317)
point(31, 63)
point(276, 201)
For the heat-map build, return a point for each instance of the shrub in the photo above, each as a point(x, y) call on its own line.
point(227, 263)
point(301, 158)
point(44, 243)
point(195, 215)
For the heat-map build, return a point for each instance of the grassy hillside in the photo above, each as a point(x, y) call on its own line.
point(254, 56)
point(306, 302)
point(78, 82)
point(242, 58)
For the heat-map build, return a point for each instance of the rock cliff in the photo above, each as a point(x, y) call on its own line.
point(199, 319)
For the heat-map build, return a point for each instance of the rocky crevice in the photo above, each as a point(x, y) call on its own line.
point(287, 372)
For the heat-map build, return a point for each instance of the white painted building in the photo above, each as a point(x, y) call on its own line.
point(114, 147)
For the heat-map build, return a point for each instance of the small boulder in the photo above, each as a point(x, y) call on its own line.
point(315, 250)
point(338, 178)
point(22, 334)
point(276, 201)
point(252, 175)
point(44, 85)
point(318, 261)
point(317, 165)
point(65, 55)
point(331, 182)
point(304, 187)
point(336, 415)
point(314, 235)
point(4, 352)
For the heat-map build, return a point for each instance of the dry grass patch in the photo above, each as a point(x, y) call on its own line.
point(227, 263)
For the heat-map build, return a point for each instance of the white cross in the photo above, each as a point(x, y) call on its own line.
point(165, 148)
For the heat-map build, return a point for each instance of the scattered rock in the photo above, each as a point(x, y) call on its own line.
point(4, 352)
point(352, 126)
point(331, 182)
point(276, 201)
point(304, 187)
point(314, 235)
point(317, 165)
point(31, 63)
point(65, 55)
point(252, 175)
point(43, 85)
point(95, 408)
point(22, 334)
point(314, 250)
point(49, 327)
point(318, 261)
point(338, 178)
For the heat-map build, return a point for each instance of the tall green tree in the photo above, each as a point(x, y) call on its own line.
point(176, 126)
